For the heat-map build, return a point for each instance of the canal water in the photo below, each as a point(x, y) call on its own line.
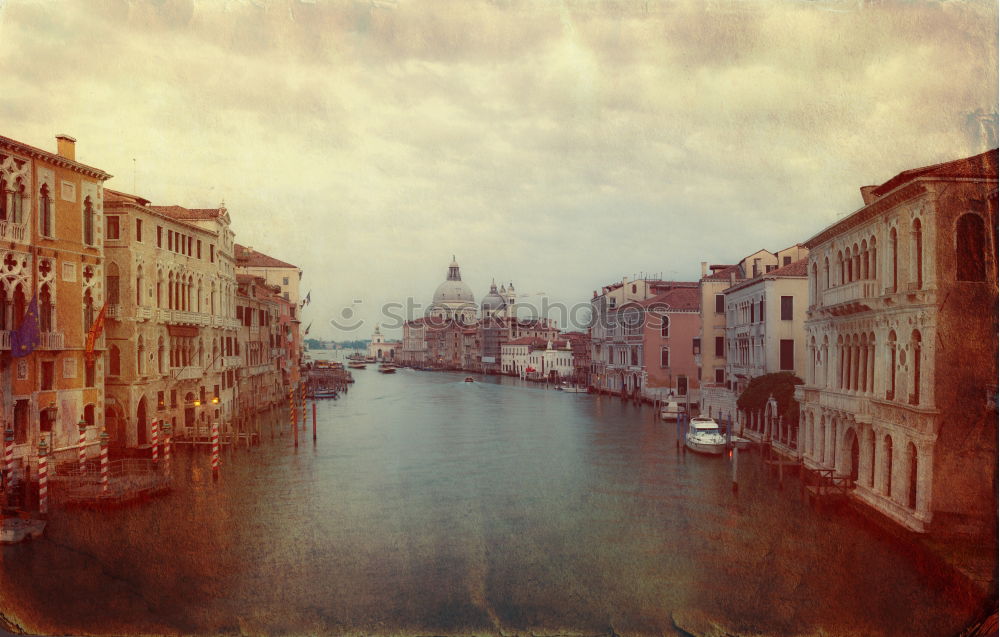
point(433, 506)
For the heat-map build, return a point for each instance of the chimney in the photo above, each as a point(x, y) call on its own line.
point(66, 147)
point(868, 194)
point(704, 269)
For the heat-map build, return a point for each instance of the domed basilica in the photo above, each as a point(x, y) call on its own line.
point(453, 299)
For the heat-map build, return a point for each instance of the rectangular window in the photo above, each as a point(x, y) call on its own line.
point(88, 374)
point(48, 374)
point(159, 236)
point(199, 248)
point(786, 261)
point(21, 410)
point(760, 314)
point(160, 400)
point(753, 306)
point(173, 397)
point(696, 346)
point(720, 303)
point(216, 390)
point(211, 253)
point(720, 346)
point(720, 376)
point(190, 245)
point(682, 386)
point(138, 230)
point(787, 354)
point(786, 308)
point(112, 227)
point(284, 281)
point(664, 357)
point(170, 240)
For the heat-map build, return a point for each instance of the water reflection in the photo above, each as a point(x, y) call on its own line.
point(429, 505)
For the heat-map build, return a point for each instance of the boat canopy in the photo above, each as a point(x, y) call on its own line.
point(709, 425)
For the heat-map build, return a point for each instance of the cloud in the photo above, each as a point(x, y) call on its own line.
point(559, 145)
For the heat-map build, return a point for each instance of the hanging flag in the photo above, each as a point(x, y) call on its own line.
point(95, 331)
point(308, 294)
point(308, 326)
point(25, 338)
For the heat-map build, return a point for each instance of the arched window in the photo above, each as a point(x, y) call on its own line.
point(826, 272)
point(842, 268)
point(45, 308)
point(915, 345)
point(159, 357)
point(45, 211)
point(88, 311)
point(112, 283)
point(17, 201)
point(5, 320)
point(664, 326)
point(911, 495)
point(890, 393)
point(159, 288)
point(140, 358)
point(88, 222)
point(887, 465)
point(4, 200)
point(114, 361)
point(918, 253)
point(873, 259)
point(894, 259)
point(970, 248)
point(138, 286)
point(20, 303)
point(863, 268)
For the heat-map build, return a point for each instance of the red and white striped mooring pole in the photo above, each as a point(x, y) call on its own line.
point(105, 465)
point(167, 435)
point(8, 455)
point(43, 478)
point(82, 448)
point(215, 450)
point(292, 416)
point(155, 435)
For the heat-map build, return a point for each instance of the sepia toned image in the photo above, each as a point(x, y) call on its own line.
point(499, 318)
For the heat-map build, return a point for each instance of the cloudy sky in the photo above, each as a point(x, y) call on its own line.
point(560, 145)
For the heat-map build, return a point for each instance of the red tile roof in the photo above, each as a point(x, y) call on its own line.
point(675, 299)
point(186, 214)
point(795, 268)
point(248, 257)
point(113, 195)
point(723, 274)
point(982, 165)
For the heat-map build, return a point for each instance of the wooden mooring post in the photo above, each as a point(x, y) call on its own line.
point(736, 462)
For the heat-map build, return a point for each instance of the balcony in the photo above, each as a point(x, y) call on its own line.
point(191, 372)
point(144, 313)
point(277, 352)
point(114, 311)
point(51, 340)
point(231, 361)
point(10, 231)
point(857, 404)
point(850, 298)
point(183, 317)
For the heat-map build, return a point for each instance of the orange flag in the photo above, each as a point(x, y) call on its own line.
point(95, 331)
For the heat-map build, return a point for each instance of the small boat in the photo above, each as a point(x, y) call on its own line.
point(670, 411)
point(323, 392)
point(387, 368)
point(470, 379)
point(356, 365)
point(572, 389)
point(703, 436)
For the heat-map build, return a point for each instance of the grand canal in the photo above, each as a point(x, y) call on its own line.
point(433, 506)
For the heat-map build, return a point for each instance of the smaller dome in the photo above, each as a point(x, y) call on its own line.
point(493, 301)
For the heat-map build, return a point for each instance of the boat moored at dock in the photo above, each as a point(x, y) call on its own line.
point(703, 436)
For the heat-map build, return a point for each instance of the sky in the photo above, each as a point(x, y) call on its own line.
point(558, 145)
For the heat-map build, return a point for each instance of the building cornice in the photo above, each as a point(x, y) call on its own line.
point(52, 158)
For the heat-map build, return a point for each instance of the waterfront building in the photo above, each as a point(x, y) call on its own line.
point(260, 379)
point(765, 332)
point(901, 384)
point(172, 331)
point(52, 227)
point(534, 358)
point(648, 345)
point(287, 277)
point(381, 349)
point(603, 312)
point(580, 343)
point(716, 390)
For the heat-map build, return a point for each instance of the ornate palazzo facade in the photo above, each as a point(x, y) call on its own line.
point(901, 342)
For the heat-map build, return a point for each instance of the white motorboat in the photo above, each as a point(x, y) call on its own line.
point(703, 436)
point(573, 389)
point(670, 411)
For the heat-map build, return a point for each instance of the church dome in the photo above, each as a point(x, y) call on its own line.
point(493, 301)
point(454, 294)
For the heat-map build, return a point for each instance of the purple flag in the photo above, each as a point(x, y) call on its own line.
point(24, 339)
